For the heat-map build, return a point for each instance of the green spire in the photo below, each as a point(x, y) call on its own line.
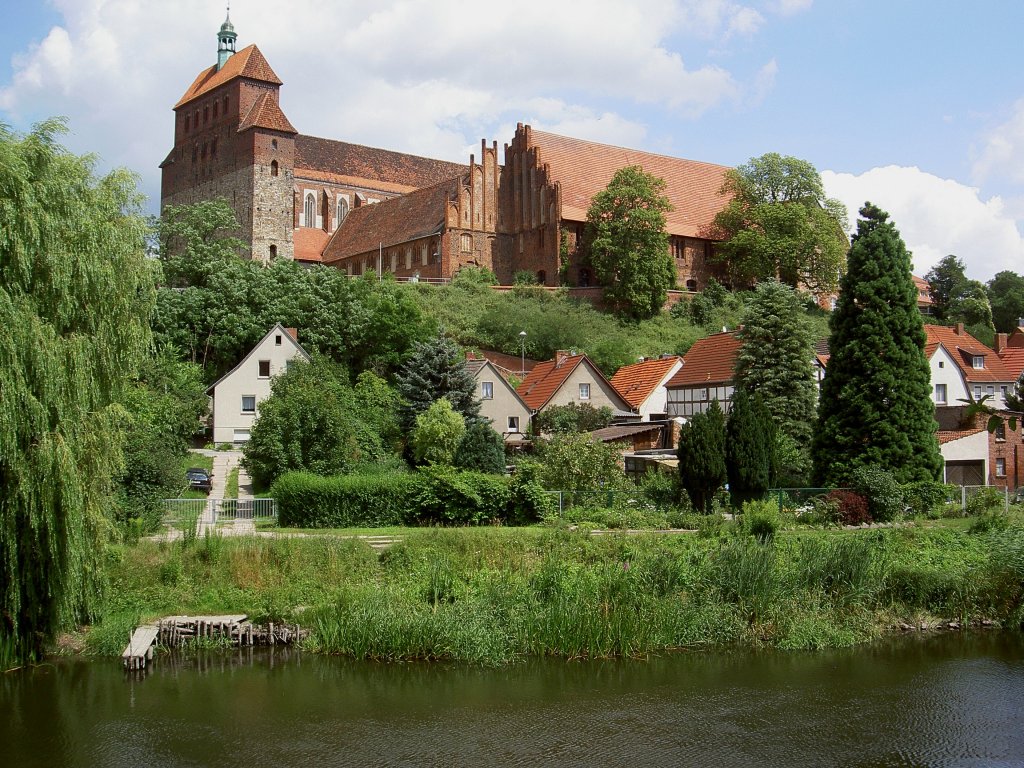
point(225, 41)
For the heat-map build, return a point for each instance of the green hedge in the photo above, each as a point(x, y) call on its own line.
point(432, 495)
point(305, 500)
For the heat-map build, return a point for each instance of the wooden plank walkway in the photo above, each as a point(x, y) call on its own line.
point(140, 648)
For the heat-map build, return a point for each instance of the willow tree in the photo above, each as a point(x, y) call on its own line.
point(75, 293)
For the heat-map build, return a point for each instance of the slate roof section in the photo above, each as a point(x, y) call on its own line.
point(391, 222)
point(584, 168)
point(638, 381)
point(369, 163)
point(711, 360)
point(963, 347)
point(248, 63)
point(265, 113)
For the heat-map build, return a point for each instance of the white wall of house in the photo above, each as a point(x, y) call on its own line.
point(238, 394)
point(657, 402)
point(970, 448)
point(596, 391)
point(947, 379)
point(508, 414)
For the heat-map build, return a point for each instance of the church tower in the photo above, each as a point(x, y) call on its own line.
point(232, 141)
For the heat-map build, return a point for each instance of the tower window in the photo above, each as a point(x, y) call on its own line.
point(273, 252)
point(310, 210)
point(273, 167)
point(273, 143)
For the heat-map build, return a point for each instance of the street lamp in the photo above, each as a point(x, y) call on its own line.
point(522, 349)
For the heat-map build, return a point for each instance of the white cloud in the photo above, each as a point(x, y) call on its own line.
point(789, 7)
point(936, 217)
point(425, 77)
point(1002, 153)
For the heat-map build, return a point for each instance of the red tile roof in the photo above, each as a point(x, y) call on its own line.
point(248, 63)
point(924, 296)
point(638, 381)
point(963, 347)
point(265, 113)
point(507, 365)
point(710, 361)
point(309, 243)
point(1013, 360)
point(368, 163)
point(391, 222)
point(584, 168)
point(546, 378)
point(948, 436)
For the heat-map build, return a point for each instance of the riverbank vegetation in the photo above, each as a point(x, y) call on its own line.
point(492, 595)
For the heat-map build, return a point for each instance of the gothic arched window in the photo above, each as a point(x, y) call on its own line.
point(310, 210)
point(342, 211)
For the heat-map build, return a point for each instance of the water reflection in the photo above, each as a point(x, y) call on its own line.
point(949, 700)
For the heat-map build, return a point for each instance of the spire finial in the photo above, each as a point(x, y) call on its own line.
point(226, 39)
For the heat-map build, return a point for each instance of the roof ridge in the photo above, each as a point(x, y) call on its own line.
point(534, 131)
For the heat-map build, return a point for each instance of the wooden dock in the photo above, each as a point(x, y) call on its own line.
point(175, 631)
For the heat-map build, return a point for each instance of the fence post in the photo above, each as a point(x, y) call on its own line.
point(963, 499)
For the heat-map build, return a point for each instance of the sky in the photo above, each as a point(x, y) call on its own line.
point(917, 106)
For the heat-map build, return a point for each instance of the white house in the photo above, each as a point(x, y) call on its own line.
point(499, 402)
point(238, 393)
point(642, 384)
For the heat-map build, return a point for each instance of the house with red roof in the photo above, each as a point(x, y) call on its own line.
point(570, 378)
point(642, 384)
point(925, 302)
point(1010, 349)
point(706, 375)
point(960, 364)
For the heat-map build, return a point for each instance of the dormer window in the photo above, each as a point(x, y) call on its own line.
point(978, 361)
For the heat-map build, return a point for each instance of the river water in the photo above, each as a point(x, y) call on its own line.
point(949, 700)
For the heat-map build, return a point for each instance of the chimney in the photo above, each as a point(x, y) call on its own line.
point(293, 332)
point(959, 329)
point(560, 357)
point(1001, 342)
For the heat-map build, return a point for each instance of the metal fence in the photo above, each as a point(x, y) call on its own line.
point(983, 498)
point(177, 512)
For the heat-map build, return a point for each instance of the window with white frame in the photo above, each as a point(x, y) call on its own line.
point(1000, 433)
point(309, 210)
point(940, 393)
point(978, 361)
point(584, 391)
point(248, 403)
point(1000, 467)
point(977, 391)
point(487, 390)
point(264, 369)
point(513, 423)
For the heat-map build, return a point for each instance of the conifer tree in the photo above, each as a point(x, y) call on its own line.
point(750, 448)
point(75, 294)
point(702, 456)
point(775, 362)
point(435, 369)
point(481, 449)
point(876, 406)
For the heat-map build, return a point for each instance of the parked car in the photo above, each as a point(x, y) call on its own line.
point(199, 479)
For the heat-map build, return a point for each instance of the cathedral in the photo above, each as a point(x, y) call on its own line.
point(363, 209)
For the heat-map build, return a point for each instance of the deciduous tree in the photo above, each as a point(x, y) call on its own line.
point(628, 242)
point(75, 294)
point(1006, 297)
point(876, 406)
point(780, 224)
point(437, 433)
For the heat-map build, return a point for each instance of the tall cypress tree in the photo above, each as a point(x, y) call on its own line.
point(750, 448)
point(702, 456)
point(876, 406)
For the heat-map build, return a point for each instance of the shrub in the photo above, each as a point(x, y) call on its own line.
point(761, 519)
point(879, 487)
point(529, 502)
point(662, 489)
point(986, 500)
point(445, 495)
point(926, 496)
point(310, 501)
point(852, 507)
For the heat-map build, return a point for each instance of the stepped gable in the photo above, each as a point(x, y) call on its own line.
point(963, 347)
point(638, 381)
point(390, 222)
point(265, 113)
point(584, 168)
point(711, 360)
point(369, 163)
point(248, 63)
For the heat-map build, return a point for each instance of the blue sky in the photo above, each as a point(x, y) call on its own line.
point(917, 106)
